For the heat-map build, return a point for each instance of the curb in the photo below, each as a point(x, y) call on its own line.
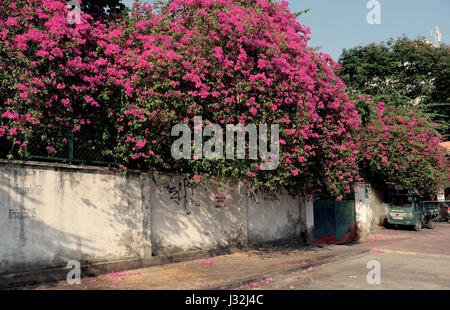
point(263, 276)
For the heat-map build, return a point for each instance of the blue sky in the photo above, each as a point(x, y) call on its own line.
point(339, 24)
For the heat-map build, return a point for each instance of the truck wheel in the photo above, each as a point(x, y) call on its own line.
point(418, 225)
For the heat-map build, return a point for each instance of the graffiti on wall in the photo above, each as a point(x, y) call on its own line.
point(21, 214)
point(181, 194)
point(220, 202)
point(262, 195)
point(28, 189)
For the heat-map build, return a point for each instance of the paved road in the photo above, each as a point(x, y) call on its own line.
point(407, 259)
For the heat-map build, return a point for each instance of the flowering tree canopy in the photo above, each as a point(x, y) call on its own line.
point(400, 145)
point(233, 62)
point(50, 74)
point(132, 79)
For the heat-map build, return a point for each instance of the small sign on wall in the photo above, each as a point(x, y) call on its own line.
point(220, 202)
point(441, 196)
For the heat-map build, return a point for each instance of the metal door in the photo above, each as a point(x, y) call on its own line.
point(345, 216)
point(334, 221)
point(324, 222)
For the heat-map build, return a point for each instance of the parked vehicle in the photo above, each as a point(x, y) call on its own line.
point(430, 212)
point(415, 213)
point(444, 211)
point(442, 207)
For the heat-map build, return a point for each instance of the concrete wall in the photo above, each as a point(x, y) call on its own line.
point(307, 220)
point(370, 209)
point(380, 208)
point(53, 213)
point(272, 217)
point(187, 217)
point(50, 215)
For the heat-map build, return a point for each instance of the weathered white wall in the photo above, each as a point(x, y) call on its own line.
point(307, 219)
point(380, 208)
point(187, 217)
point(364, 214)
point(52, 215)
point(272, 217)
point(370, 209)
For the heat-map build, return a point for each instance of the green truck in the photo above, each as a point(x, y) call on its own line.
point(412, 212)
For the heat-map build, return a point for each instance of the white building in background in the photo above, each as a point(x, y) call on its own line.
point(437, 37)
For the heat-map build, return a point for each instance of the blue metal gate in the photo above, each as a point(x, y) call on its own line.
point(334, 221)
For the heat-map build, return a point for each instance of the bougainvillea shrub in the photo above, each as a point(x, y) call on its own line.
point(51, 79)
point(400, 145)
point(231, 62)
point(133, 79)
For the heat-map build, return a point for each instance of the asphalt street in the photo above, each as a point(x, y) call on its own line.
point(404, 259)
